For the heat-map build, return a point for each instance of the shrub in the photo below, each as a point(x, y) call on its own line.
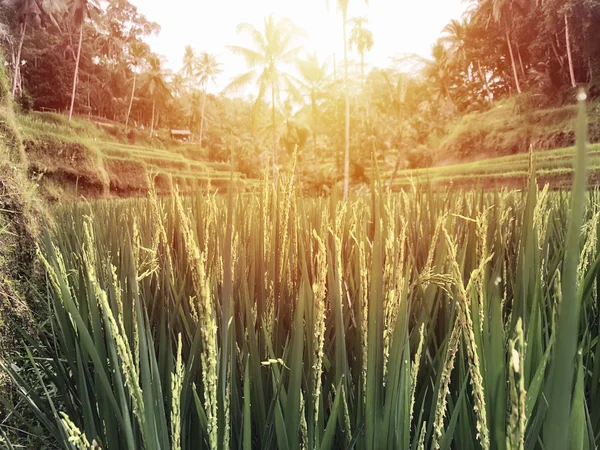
point(418, 158)
point(25, 102)
point(131, 135)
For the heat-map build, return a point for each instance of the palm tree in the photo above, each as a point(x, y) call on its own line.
point(342, 6)
point(502, 13)
point(568, 44)
point(178, 84)
point(189, 64)
point(313, 83)
point(438, 70)
point(362, 40)
point(156, 85)
point(192, 106)
point(26, 11)
point(207, 70)
point(272, 48)
point(137, 54)
point(80, 10)
point(457, 38)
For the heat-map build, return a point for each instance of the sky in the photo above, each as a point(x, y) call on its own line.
point(398, 26)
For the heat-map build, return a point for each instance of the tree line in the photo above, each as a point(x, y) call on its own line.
point(80, 57)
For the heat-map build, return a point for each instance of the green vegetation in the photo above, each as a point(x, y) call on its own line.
point(499, 81)
point(95, 159)
point(554, 167)
point(441, 310)
point(19, 213)
point(509, 127)
point(169, 330)
point(81, 157)
point(417, 320)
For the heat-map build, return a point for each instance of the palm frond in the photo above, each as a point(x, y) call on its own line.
point(239, 82)
point(252, 31)
point(252, 57)
point(290, 55)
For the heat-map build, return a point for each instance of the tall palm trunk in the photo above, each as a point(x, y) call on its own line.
point(313, 99)
point(75, 77)
point(362, 68)
point(512, 60)
point(18, 60)
point(338, 158)
point(131, 100)
point(347, 124)
point(152, 123)
point(202, 116)
point(273, 131)
point(569, 54)
point(484, 80)
point(521, 65)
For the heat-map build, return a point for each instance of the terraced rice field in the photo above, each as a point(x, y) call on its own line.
point(95, 163)
point(554, 167)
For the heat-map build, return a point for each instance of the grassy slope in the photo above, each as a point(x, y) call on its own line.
point(491, 148)
point(95, 160)
point(20, 213)
point(552, 166)
point(511, 126)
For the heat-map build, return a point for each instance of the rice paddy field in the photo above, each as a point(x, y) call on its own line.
point(461, 319)
point(268, 321)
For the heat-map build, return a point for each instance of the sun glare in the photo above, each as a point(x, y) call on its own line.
point(399, 27)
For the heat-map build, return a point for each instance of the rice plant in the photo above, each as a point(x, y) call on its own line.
point(462, 319)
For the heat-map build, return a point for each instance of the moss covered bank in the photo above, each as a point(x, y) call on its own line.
point(19, 216)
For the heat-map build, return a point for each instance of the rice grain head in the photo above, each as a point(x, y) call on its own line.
point(176, 389)
point(448, 366)
point(76, 438)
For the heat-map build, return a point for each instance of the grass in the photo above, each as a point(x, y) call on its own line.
point(20, 211)
point(376, 323)
point(422, 319)
point(462, 319)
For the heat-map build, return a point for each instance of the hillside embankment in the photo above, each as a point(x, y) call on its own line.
point(21, 211)
point(69, 160)
point(510, 127)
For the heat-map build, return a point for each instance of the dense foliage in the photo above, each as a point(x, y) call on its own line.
point(539, 50)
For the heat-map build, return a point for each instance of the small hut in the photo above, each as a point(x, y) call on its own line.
point(181, 135)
